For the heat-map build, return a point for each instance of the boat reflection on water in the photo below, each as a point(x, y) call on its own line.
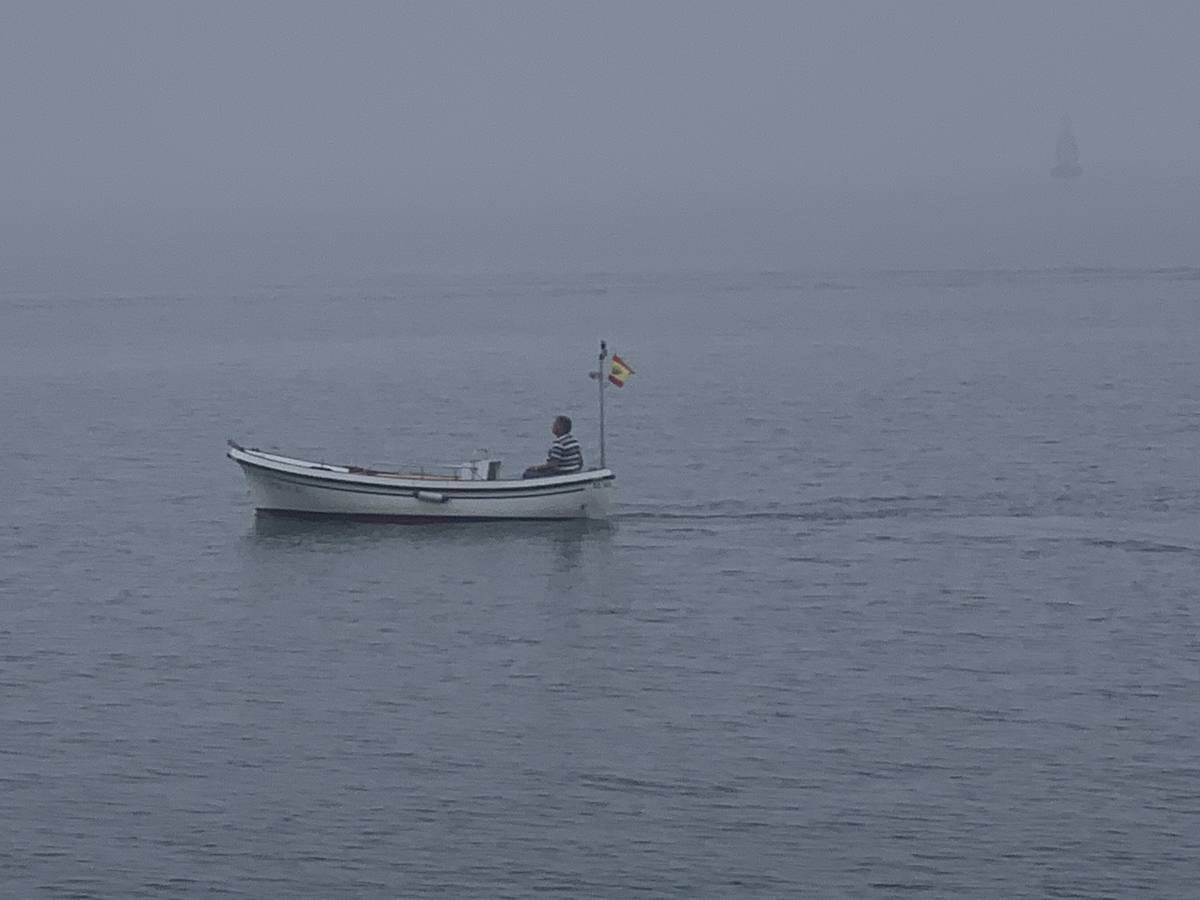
point(301, 547)
point(300, 527)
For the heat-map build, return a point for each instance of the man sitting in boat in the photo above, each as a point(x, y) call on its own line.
point(564, 457)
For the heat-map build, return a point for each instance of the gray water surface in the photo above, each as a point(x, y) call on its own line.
point(898, 596)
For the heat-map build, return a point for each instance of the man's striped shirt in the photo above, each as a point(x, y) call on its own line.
point(565, 454)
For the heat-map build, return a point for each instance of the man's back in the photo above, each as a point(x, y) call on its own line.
point(566, 455)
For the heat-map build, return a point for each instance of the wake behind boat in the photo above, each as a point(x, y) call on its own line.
point(466, 491)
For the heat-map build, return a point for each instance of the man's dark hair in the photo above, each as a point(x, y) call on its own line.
point(566, 420)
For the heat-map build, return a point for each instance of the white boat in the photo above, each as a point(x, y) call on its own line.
point(471, 490)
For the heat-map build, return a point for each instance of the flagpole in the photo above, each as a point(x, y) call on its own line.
point(602, 377)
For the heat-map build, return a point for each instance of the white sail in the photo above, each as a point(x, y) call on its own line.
point(1066, 154)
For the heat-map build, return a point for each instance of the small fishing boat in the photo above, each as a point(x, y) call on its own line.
point(471, 490)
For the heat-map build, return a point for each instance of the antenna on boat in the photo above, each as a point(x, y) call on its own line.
point(601, 377)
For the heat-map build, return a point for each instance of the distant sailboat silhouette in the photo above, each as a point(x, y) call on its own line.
point(1066, 154)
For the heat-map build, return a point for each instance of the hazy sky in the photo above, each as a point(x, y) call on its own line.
point(259, 107)
point(166, 102)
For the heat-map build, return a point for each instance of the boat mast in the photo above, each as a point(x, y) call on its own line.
point(602, 376)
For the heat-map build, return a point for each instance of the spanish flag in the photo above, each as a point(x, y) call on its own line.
point(619, 371)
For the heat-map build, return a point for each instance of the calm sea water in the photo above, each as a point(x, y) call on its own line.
point(899, 595)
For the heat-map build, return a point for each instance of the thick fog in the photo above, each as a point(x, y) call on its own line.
point(151, 142)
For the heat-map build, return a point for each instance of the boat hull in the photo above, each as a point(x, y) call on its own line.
point(282, 485)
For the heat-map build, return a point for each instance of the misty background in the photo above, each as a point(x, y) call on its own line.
point(183, 145)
